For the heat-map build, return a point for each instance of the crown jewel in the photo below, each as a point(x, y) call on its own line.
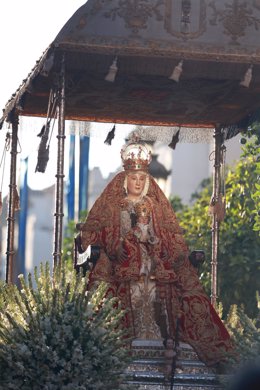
point(135, 156)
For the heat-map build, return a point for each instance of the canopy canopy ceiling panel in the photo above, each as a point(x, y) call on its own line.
point(207, 46)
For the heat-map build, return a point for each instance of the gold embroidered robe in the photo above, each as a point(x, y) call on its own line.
point(172, 289)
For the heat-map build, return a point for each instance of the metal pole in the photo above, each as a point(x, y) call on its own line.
point(215, 218)
point(58, 215)
point(11, 204)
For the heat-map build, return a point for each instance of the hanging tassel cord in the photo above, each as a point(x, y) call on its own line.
point(175, 139)
point(43, 151)
point(55, 113)
point(217, 205)
point(51, 114)
point(3, 159)
point(110, 136)
point(223, 169)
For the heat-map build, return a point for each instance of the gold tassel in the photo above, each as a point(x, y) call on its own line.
point(218, 208)
point(177, 71)
point(248, 77)
point(16, 200)
point(112, 72)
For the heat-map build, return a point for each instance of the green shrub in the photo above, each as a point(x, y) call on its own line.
point(246, 335)
point(54, 335)
point(239, 242)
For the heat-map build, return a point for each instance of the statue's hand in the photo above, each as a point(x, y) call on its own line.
point(197, 257)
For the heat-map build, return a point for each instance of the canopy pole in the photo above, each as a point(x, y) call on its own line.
point(215, 201)
point(11, 203)
point(58, 215)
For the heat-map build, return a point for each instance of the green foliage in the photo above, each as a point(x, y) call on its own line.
point(252, 148)
point(240, 243)
point(177, 204)
point(197, 227)
point(57, 336)
point(205, 183)
point(246, 337)
point(245, 333)
point(239, 248)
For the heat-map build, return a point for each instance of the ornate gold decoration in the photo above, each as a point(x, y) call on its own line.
point(143, 297)
point(236, 17)
point(185, 17)
point(186, 11)
point(161, 48)
point(218, 207)
point(136, 12)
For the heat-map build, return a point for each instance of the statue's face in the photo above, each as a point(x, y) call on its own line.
point(135, 183)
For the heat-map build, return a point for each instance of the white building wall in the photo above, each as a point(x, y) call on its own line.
point(39, 229)
point(96, 185)
point(191, 163)
point(233, 150)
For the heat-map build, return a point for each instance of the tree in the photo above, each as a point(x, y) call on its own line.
point(239, 249)
point(252, 148)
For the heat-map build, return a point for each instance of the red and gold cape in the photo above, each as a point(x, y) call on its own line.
point(178, 288)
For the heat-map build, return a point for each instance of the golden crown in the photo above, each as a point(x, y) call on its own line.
point(135, 156)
